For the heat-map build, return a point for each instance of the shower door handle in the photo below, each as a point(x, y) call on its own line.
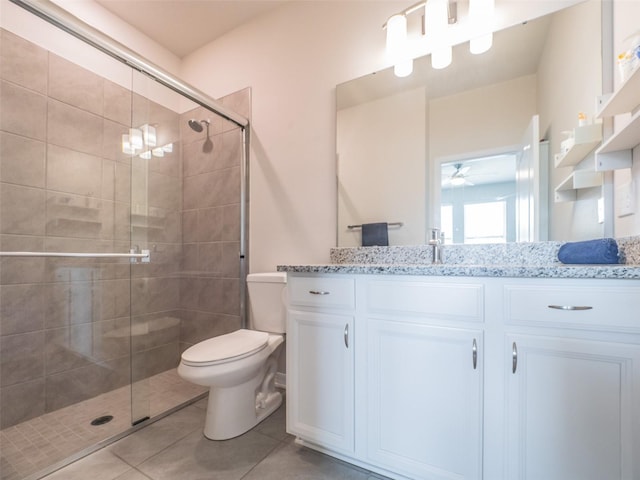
point(346, 335)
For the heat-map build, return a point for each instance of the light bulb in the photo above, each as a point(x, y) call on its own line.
point(441, 58)
point(436, 21)
point(481, 44)
point(403, 68)
point(397, 47)
point(481, 13)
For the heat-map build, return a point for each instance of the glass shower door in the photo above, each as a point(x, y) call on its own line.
point(156, 219)
point(65, 349)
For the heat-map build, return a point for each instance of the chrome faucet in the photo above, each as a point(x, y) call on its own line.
point(435, 241)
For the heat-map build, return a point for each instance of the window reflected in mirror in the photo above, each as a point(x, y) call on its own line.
point(478, 199)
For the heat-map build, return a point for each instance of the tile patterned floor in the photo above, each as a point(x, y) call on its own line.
point(174, 448)
point(36, 444)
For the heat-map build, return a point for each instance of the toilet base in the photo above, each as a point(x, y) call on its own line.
point(230, 414)
point(232, 411)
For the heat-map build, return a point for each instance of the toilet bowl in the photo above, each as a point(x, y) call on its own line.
point(240, 367)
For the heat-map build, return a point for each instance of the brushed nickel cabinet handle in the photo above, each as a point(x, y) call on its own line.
point(346, 335)
point(514, 357)
point(318, 292)
point(474, 355)
point(570, 307)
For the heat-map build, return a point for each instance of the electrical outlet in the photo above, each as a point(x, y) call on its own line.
point(625, 200)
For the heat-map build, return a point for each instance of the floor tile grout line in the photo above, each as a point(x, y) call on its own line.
point(182, 437)
point(278, 446)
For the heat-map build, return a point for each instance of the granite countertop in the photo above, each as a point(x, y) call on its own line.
point(520, 260)
point(519, 271)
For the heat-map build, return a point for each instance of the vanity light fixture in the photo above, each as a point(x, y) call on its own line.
point(397, 47)
point(436, 21)
point(438, 15)
point(480, 18)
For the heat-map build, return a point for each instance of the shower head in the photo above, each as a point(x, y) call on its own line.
point(196, 125)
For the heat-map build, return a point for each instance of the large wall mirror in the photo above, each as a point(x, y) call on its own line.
point(469, 149)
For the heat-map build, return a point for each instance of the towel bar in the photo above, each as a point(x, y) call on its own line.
point(392, 224)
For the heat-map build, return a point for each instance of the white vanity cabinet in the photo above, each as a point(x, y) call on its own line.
point(469, 378)
point(320, 361)
point(573, 380)
point(419, 349)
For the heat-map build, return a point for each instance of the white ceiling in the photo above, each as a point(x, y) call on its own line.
point(183, 26)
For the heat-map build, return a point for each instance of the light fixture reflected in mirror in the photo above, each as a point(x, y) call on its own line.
point(142, 142)
point(149, 135)
point(135, 138)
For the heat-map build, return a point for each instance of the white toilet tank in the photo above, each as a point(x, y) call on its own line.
point(266, 301)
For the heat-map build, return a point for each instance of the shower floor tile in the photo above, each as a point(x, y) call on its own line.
point(36, 444)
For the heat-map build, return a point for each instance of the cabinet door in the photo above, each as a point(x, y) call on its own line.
point(571, 411)
point(320, 385)
point(424, 406)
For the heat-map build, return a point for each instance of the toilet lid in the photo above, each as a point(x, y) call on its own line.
point(224, 348)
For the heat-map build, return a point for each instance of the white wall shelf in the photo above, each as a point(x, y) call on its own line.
point(623, 100)
point(586, 139)
point(616, 151)
point(579, 179)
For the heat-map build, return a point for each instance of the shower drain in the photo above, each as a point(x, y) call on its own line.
point(101, 420)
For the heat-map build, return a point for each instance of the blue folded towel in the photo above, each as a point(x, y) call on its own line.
point(599, 251)
point(375, 234)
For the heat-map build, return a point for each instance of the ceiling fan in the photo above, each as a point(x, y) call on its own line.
point(458, 177)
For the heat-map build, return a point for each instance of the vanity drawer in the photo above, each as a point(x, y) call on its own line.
point(436, 300)
point(615, 307)
point(322, 292)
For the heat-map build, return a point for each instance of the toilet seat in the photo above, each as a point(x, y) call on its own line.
point(225, 348)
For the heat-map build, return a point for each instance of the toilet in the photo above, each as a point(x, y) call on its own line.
point(240, 367)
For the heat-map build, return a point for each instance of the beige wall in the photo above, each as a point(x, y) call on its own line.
point(481, 119)
point(382, 168)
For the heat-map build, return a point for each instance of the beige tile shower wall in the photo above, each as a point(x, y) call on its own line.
point(210, 287)
point(65, 185)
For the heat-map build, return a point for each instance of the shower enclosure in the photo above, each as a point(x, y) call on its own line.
point(122, 237)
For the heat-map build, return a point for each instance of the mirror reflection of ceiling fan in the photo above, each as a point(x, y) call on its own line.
point(459, 176)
